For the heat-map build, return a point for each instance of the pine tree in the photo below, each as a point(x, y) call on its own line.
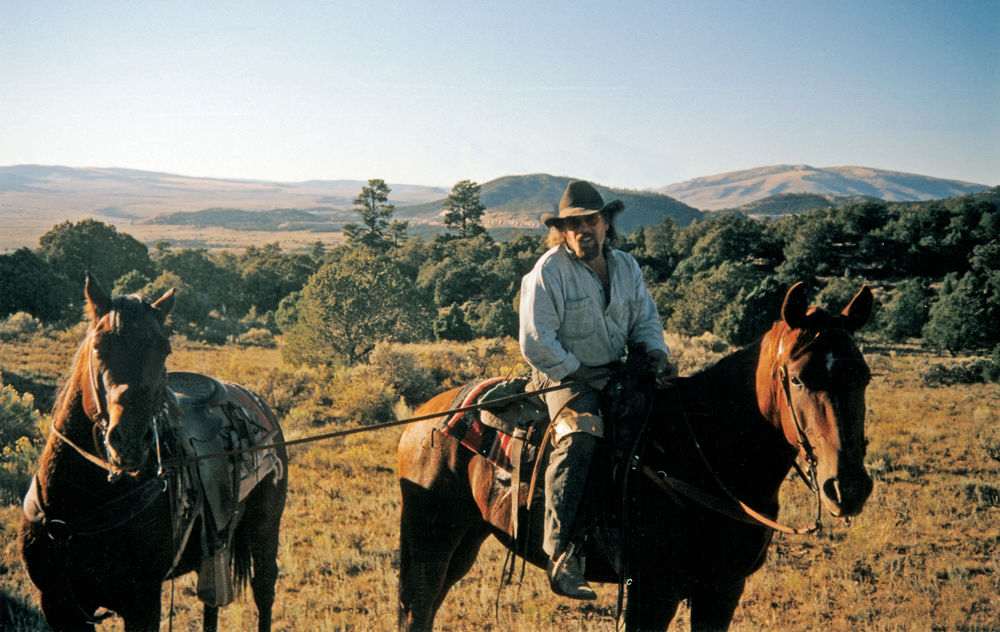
point(464, 210)
point(376, 228)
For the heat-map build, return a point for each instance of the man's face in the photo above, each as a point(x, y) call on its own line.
point(585, 235)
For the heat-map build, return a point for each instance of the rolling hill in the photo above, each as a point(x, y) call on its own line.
point(739, 188)
point(219, 213)
point(519, 201)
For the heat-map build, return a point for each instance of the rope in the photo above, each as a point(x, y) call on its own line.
point(493, 403)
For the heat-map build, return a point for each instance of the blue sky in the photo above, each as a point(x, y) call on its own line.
point(630, 94)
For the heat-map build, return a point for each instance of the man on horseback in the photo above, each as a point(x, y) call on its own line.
point(581, 305)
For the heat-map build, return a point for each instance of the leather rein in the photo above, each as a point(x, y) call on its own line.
point(731, 506)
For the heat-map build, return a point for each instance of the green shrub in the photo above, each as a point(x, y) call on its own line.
point(400, 369)
point(989, 440)
point(982, 494)
point(19, 325)
point(284, 390)
point(494, 320)
point(258, 338)
point(906, 314)
point(20, 434)
point(968, 372)
point(361, 396)
point(452, 326)
point(991, 371)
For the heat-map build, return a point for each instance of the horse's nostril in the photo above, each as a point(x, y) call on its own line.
point(114, 436)
point(832, 489)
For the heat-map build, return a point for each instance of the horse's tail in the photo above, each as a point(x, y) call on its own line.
point(242, 560)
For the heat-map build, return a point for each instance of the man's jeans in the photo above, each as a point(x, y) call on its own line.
point(574, 436)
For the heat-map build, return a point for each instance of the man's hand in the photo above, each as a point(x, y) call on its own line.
point(665, 372)
point(585, 372)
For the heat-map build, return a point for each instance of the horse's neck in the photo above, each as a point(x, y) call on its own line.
point(728, 383)
point(68, 481)
point(728, 423)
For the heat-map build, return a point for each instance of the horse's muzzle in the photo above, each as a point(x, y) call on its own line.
point(129, 454)
point(845, 496)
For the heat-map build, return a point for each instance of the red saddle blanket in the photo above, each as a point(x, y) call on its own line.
point(487, 441)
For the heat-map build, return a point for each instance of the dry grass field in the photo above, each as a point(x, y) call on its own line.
point(924, 555)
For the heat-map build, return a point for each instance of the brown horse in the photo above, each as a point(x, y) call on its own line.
point(100, 529)
point(733, 431)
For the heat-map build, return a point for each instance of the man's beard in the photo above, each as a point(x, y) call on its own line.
point(589, 249)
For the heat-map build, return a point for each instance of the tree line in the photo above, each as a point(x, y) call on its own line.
point(935, 267)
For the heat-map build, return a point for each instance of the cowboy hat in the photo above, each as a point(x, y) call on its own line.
point(580, 198)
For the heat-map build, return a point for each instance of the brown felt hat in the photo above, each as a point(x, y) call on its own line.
point(581, 198)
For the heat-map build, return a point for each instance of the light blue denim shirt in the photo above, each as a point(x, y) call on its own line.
point(564, 322)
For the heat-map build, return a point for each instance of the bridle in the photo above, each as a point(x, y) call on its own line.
point(107, 516)
point(102, 418)
point(810, 475)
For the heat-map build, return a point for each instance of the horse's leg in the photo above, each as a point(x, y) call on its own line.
point(713, 605)
point(651, 609)
point(263, 542)
point(143, 611)
point(61, 615)
point(438, 542)
point(463, 558)
point(210, 618)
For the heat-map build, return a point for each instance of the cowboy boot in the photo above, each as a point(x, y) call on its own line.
point(566, 576)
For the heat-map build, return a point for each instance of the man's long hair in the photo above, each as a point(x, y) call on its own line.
point(612, 239)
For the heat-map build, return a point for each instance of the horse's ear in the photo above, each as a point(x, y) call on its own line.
point(859, 310)
point(793, 310)
point(98, 301)
point(166, 302)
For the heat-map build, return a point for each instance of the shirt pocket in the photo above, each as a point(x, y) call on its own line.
point(578, 320)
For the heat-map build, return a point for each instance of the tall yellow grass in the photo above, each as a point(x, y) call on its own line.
point(924, 555)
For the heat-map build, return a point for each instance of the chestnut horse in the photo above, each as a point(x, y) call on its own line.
point(732, 430)
point(99, 530)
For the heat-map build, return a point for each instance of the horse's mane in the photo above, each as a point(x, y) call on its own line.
point(125, 309)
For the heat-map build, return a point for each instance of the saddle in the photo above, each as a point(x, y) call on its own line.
point(208, 417)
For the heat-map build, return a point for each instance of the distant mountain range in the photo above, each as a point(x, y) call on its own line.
point(152, 205)
point(740, 188)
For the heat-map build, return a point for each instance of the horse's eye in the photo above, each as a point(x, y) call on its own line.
point(796, 382)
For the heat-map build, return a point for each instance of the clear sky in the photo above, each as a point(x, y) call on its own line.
point(624, 93)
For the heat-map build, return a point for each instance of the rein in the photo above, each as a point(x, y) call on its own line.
point(732, 506)
point(99, 462)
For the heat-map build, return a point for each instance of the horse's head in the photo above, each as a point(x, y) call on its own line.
point(811, 383)
point(124, 389)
